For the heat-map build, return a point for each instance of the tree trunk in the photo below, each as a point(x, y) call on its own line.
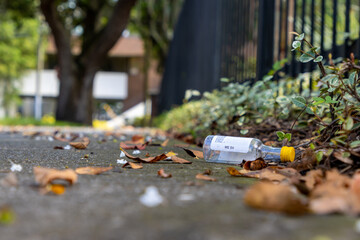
point(77, 73)
point(75, 102)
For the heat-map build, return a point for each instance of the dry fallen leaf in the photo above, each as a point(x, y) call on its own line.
point(58, 189)
point(180, 160)
point(146, 160)
point(45, 176)
point(10, 180)
point(194, 153)
point(275, 197)
point(81, 145)
point(205, 177)
point(165, 143)
point(133, 165)
point(313, 178)
point(257, 164)
point(137, 139)
point(141, 146)
point(162, 174)
point(170, 154)
point(92, 170)
point(340, 156)
point(307, 161)
point(233, 171)
point(335, 194)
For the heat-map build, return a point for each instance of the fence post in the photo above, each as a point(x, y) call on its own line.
point(265, 44)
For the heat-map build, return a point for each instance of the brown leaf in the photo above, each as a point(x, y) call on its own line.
point(45, 176)
point(162, 174)
point(81, 145)
point(339, 156)
point(146, 160)
point(92, 170)
point(180, 160)
point(333, 195)
point(165, 143)
point(138, 139)
point(133, 146)
point(307, 161)
point(194, 153)
point(313, 178)
point(257, 164)
point(135, 165)
point(233, 171)
point(59, 147)
point(271, 175)
point(205, 177)
point(10, 180)
point(275, 197)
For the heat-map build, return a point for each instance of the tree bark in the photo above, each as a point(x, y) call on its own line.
point(77, 73)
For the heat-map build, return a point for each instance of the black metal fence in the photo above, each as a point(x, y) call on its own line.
point(241, 39)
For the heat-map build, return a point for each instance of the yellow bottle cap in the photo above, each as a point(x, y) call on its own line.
point(287, 154)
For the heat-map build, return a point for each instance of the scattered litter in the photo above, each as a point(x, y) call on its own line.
point(122, 154)
point(151, 197)
point(121, 161)
point(67, 147)
point(136, 152)
point(186, 197)
point(15, 167)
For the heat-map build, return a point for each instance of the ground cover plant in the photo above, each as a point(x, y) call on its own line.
point(325, 177)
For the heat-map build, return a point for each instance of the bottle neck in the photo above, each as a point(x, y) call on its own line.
point(270, 153)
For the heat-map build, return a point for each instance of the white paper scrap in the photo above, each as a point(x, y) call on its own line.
point(151, 197)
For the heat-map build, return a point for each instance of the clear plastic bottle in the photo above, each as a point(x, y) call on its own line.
point(233, 150)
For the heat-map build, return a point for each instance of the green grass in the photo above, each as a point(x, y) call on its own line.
point(26, 121)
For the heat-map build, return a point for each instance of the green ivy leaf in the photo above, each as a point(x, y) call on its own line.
point(296, 44)
point(300, 37)
point(244, 131)
point(318, 59)
point(329, 100)
point(319, 156)
point(307, 57)
point(288, 136)
point(267, 78)
point(329, 77)
point(318, 100)
point(355, 144)
point(299, 101)
point(281, 135)
point(352, 78)
point(348, 124)
point(309, 111)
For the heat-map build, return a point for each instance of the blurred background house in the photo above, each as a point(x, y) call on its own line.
point(119, 83)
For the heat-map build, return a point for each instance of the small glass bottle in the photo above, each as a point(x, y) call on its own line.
point(233, 150)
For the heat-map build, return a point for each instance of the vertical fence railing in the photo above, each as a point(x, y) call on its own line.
point(239, 20)
point(332, 25)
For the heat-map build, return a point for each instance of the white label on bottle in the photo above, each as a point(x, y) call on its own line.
point(230, 144)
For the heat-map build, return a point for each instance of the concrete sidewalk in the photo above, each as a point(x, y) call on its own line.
point(107, 206)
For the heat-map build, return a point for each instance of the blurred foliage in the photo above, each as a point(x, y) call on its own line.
point(18, 41)
point(235, 105)
point(155, 22)
point(48, 120)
